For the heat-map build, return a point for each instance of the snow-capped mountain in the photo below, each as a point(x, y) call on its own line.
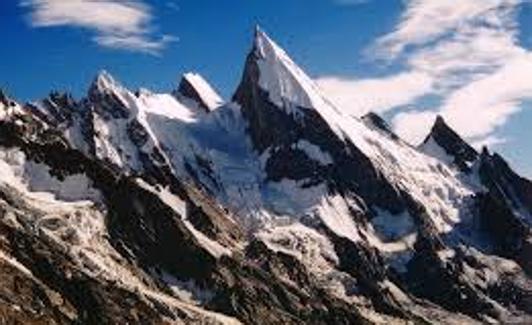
point(272, 207)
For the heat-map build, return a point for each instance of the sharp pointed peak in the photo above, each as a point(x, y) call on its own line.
point(257, 30)
point(485, 152)
point(440, 127)
point(104, 75)
point(104, 80)
point(265, 47)
point(195, 87)
point(439, 120)
point(271, 68)
point(451, 142)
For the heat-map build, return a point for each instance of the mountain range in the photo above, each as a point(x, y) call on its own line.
point(271, 207)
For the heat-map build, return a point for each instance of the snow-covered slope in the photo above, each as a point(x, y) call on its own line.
point(425, 179)
point(195, 88)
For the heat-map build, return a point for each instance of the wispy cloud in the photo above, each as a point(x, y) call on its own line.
point(119, 24)
point(376, 95)
point(470, 52)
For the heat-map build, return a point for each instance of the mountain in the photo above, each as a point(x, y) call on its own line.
point(445, 144)
point(274, 207)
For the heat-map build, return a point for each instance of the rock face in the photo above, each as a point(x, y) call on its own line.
point(275, 208)
point(443, 136)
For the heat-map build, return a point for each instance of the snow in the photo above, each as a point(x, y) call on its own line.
point(172, 200)
point(313, 152)
point(35, 179)
point(334, 212)
point(207, 94)
point(392, 227)
point(105, 81)
point(433, 149)
point(213, 247)
point(186, 290)
point(236, 174)
point(112, 139)
point(165, 105)
point(180, 206)
point(288, 86)
point(80, 227)
point(7, 112)
point(307, 245)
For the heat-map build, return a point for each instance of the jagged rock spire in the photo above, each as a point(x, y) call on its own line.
point(104, 82)
point(271, 69)
point(108, 96)
point(443, 136)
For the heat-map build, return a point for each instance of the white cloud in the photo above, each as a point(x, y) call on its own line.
point(135, 43)
point(427, 20)
point(470, 52)
point(375, 95)
point(123, 24)
point(480, 107)
point(414, 126)
point(489, 141)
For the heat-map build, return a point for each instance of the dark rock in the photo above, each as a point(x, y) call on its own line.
point(374, 121)
point(464, 155)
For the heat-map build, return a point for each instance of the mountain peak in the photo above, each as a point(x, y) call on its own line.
point(271, 69)
point(443, 137)
point(104, 81)
point(263, 43)
point(109, 96)
point(194, 87)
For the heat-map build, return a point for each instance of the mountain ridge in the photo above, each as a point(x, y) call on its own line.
point(274, 207)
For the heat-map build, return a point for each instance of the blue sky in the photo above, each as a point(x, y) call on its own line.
point(408, 60)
